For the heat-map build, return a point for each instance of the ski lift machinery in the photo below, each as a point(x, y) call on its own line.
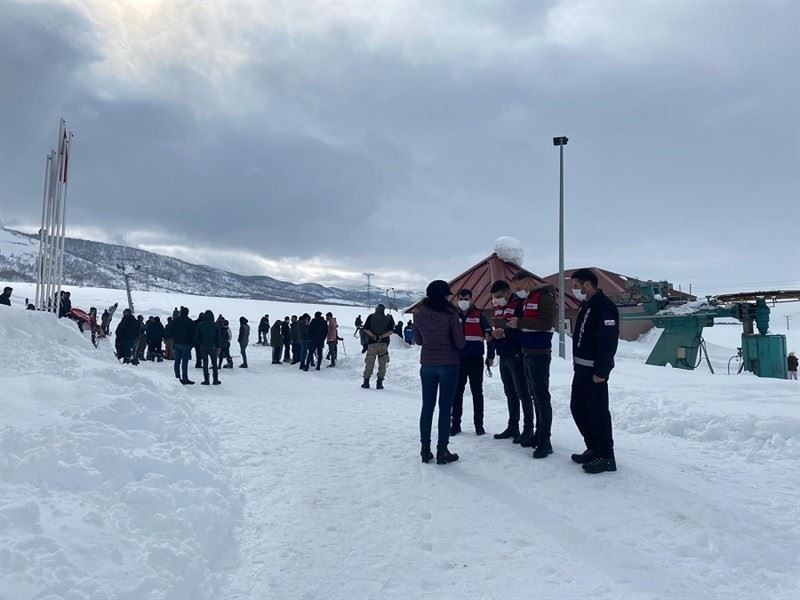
point(763, 354)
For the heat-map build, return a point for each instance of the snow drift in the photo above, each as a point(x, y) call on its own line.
point(110, 483)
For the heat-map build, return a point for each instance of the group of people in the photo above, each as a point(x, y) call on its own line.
point(455, 339)
point(302, 339)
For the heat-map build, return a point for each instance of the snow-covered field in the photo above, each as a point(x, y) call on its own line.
point(117, 482)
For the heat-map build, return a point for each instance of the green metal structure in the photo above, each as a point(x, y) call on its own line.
point(681, 343)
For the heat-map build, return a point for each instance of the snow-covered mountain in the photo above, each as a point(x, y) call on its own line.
point(95, 264)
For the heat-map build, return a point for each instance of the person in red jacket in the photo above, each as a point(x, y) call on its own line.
point(477, 333)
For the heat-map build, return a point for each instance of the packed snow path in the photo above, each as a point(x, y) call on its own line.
point(338, 505)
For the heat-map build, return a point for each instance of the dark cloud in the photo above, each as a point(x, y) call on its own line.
point(412, 147)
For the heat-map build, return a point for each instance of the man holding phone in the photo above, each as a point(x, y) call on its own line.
point(512, 370)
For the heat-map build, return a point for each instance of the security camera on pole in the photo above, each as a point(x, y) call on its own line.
point(50, 263)
point(561, 142)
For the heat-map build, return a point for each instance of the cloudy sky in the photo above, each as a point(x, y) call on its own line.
point(317, 140)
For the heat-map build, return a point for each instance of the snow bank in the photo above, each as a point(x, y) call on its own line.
point(110, 484)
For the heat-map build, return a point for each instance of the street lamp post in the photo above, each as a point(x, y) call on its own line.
point(561, 142)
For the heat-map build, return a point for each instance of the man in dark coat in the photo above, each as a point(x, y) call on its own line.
point(276, 340)
point(317, 334)
point(288, 338)
point(155, 335)
point(207, 337)
point(126, 333)
point(183, 337)
point(594, 343)
point(5, 297)
point(244, 339)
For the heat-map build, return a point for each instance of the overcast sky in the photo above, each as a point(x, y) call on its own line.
point(317, 140)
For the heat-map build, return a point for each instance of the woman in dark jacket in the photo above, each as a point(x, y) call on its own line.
point(438, 330)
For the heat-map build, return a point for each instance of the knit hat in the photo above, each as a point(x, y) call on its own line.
point(438, 289)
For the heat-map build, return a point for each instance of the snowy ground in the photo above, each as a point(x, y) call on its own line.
point(117, 482)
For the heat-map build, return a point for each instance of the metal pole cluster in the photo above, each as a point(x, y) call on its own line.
point(50, 264)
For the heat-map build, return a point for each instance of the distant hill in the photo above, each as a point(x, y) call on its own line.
point(88, 263)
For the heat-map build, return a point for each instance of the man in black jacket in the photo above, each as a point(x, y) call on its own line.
point(5, 297)
point(317, 333)
point(155, 335)
point(126, 333)
point(594, 343)
point(183, 338)
point(207, 336)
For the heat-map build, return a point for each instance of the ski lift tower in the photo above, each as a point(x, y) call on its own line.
point(127, 272)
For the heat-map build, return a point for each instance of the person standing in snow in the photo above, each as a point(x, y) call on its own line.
point(291, 351)
point(208, 339)
point(169, 343)
point(301, 330)
point(183, 337)
point(377, 329)
point(332, 338)
point(359, 323)
point(5, 297)
point(438, 330)
point(408, 333)
point(477, 333)
point(536, 327)
point(225, 343)
point(512, 368)
point(276, 340)
point(594, 343)
point(155, 334)
point(263, 331)
point(317, 334)
point(126, 334)
point(791, 363)
point(244, 339)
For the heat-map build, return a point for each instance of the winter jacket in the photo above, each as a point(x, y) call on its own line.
point(791, 362)
point(481, 328)
point(290, 333)
point(207, 333)
point(128, 328)
point(536, 334)
point(508, 345)
point(317, 330)
point(380, 324)
point(244, 334)
point(302, 331)
point(183, 331)
point(441, 336)
point(596, 335)
point(168, 330)
point(333, 330)
point(5, 299)
point(155, 331)
point(263, 324)
point(276, 334)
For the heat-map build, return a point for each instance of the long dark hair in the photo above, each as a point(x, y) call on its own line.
point(439, 304)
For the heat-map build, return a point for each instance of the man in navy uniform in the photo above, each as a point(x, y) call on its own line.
point(594, 343)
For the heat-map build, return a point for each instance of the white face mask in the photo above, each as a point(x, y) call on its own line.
point(579, 294)
point(522, 294)
point(499, 301)
point(464, 304)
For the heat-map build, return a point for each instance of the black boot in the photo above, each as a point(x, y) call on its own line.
point(444, 456)
point(379, 385)
point(599, 465)
point(426, 453)
point(508, 433)
point(455, 429)
point(365, 385)
point(584, 457)
point(543, 450)
point(526, 439)
point(216, 381)
point(205, 382)
point(479, 430)
point(187, 382)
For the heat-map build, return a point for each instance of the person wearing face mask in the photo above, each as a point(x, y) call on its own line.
point(512, 369)
point(477, 331)
point(536, 326)
point(594, 343)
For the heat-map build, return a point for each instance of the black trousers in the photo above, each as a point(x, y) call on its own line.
point(277, 352)
point(209, 354)
point(315, 352)
point(470, 369)
point(537, 376)
point(589, 406)
point(512, 374)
